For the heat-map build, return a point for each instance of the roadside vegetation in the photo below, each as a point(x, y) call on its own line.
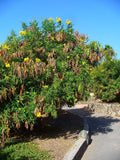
point(47, 66)
point(18, 150)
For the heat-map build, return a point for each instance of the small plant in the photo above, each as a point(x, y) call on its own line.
point(23, 150)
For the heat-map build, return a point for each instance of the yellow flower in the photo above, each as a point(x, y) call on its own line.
point(68, 56)
point(83, 63)
point(0, 44)
point(68, 22)
point(45, 86)
point(81, 40)
point(53, 69)
point(19, 109)
point(51, 19)
point(7, 65)
point(26, 59)
point(21, 99)
point(52, 38)
point(27, 92)
point(58, 20)
point(22, 32)
point(75, 100)
point(6, 77)
point(38, 60)
point(6, 47)
point(18, 101)
point(38, 114)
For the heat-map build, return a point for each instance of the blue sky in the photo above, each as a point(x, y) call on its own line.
point(100, 19)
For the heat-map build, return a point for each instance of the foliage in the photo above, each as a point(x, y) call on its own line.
point(23, 150)
point(106, 80)
point(42, 69)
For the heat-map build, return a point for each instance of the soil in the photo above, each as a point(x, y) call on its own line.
point(56, 135)
point(60, 134)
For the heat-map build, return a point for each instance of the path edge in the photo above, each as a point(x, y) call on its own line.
point(77, 150)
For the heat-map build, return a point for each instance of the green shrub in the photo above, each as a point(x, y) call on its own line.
point(42, 69)
point(106, 80)
point(23, 150)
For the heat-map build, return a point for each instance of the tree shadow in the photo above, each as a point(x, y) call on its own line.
point(98, 123)
point(66, 125)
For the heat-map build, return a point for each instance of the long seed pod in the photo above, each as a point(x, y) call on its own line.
point(4, 94)
point(31, 126)
point(19, 72)
point(13, 90)
point(32, 71)
point(8, 131)
point(18, 125)
point(36, 111)
point(22, 87)
point(1, 98)
point(9, 92)
point(26, 124)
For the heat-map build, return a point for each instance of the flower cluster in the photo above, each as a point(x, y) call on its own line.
point(46, 86)
point(38, 60)
point(48, 67)
point(51, 19)
point(68, 22)
point(58, 20)
point(6, 47)
point(7, 65)
point(26, 59)
point(22, 32)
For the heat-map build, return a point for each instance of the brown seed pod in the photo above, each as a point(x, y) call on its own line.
point(32, 71)
point(13, 90)
point(2, 145)
point(4, 94)
point(19, 73)
point(31, 126)
point(18, 125)
point(26, 73)
point(36, 110)
point(26, 124)
point(8, 131)
point(22, 87)
point(1, 98)
point(9, 92)
point(20, 96)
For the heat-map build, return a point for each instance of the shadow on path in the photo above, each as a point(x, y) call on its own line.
point(98, 123)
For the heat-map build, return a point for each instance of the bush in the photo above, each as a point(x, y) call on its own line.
point(106, 80)
point(42, 69)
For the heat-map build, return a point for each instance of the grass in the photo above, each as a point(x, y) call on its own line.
point(17, 150)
